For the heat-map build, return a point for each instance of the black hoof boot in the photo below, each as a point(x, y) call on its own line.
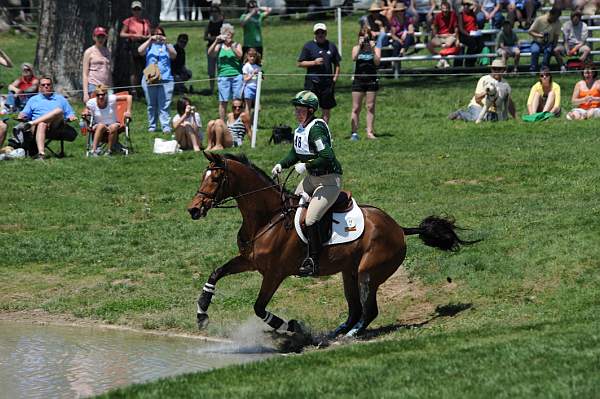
point(202, 319)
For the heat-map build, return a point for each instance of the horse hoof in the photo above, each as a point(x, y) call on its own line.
point(202, 319)
point(295, 327)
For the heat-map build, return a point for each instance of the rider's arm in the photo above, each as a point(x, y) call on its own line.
point(320, 137)
point(290, 159)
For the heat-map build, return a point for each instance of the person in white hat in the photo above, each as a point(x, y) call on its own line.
point(321, 59)
point(503, 91)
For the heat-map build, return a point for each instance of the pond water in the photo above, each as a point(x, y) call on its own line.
point(45, 361)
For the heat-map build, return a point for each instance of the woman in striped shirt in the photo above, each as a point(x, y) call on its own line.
point(222, 135)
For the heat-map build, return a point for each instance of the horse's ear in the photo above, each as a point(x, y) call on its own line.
point(208, 155)
point(218, 159)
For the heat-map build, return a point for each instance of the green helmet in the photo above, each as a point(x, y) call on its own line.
point(306, 98)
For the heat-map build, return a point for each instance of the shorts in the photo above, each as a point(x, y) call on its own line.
point(250, 92)
point(229, 87)
point(593, 113)
point(509, 51)
point(324, 92)
point(364, 86)
point(439, 40)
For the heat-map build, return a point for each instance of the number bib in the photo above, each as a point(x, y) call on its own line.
point(301, 144)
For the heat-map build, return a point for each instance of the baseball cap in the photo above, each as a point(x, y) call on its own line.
point(100, 31)
point(320, 26)
point(136, 4)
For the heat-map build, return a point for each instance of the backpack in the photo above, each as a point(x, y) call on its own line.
point(280, 134)
point(23, 139)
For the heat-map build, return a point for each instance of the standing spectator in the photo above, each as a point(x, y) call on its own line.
point(476, 104)
point(136, 30)
point(545, 32)
point(251, 21)
point(46, 113)
point(402, 31)
point(160, 91)
point(544, 96)
point(251, 69)
point(367, 57)
point(221, 135)
point(424, 13)
point(213, 29)
point(104, 109)
point(201, 8)
point(490, 12)
point(507, 45)
point(321, 59)
point(96, 64)
point(575, 33)
point(187, 125)
point(183, 10)
point(21, 89)
point(525, 11)
point(469, 34)
point(180, 72)
point(229, 74)
point(586, 96)
point(444, 32)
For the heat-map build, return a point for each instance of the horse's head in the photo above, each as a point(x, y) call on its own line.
point(213, 187)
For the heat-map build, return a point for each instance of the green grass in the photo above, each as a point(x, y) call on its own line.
point(109, 239)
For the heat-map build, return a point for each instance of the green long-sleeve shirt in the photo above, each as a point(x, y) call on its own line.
point(313, 149)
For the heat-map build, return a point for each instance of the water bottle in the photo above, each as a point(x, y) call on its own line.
point(83, 127)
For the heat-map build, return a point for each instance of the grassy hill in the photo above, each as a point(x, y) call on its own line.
point(109, 239)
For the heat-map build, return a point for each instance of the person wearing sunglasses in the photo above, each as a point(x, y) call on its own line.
point(544, 95)
point(105, 127)
point(22, 88)
point(223, 135)
point(96, 64)
point(45, 114)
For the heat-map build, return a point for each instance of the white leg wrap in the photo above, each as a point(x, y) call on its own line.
point(210, 288)
point(268, 317)
point(283, 327)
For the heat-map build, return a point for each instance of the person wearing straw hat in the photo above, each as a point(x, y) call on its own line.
point(402, 30)
point(379, 25)
point(321, 59)
point(503, 102)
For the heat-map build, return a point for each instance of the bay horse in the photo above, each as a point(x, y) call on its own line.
point(268, 243)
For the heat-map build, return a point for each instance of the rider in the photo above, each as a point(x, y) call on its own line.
point(313, 153)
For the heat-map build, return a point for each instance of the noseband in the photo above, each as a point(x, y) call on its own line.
point(214, 196)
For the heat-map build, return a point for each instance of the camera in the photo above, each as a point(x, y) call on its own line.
point(192, 109)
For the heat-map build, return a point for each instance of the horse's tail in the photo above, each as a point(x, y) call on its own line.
point(439, 232)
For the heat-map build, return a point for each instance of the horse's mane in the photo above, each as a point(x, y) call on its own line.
point(243, 159)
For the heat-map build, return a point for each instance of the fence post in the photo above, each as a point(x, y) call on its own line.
point(338, 13)
point(256, 110)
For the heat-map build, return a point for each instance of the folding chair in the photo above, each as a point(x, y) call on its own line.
point(124, 128)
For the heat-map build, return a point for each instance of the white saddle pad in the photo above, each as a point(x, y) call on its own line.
point(349, 226)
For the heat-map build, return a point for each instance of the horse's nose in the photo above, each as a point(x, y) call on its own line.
point(195, 213)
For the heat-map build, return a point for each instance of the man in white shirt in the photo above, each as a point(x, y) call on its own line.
point(105, 125)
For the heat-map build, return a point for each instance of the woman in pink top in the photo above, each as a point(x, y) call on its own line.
point(96, 64)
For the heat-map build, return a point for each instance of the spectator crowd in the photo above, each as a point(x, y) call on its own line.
point(158, 69)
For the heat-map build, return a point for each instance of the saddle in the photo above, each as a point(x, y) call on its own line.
point(342, 204)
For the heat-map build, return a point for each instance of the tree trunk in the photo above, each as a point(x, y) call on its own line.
point(65, 31)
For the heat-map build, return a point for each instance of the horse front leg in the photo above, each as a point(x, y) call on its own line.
point(236, 265)
point(267, 289)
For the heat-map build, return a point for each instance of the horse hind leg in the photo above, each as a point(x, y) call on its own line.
point(234, 266)
point(351, 292)
point(368, 300)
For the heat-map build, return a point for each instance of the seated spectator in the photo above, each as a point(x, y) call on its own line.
point(96, 64)
point(180, 72)
point(251, 70)
point(490, 12)
point(22, 89)
point(586, 96)
point(105, 124)
point(402, 31)
point(229, 73)
point(544, 95)
point(507, 45)
point(575, 33)
point(587, 7)
point(3, 129)
point(224, 135)
point(379, 25)
point(187, 125)
point(504, 96)
point(159, 92)
point(46, 113)
point(545, 32)
point(444, 32)
point(469, 34)
point(423, 13)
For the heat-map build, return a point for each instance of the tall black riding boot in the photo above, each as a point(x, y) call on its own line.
point(310, 265)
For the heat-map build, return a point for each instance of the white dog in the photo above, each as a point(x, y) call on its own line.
point(489, 101)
